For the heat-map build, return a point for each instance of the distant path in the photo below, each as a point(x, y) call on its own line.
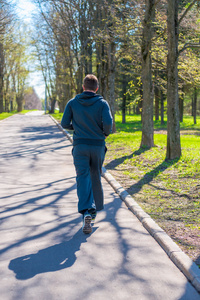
point(43, 253)
point(35, 113)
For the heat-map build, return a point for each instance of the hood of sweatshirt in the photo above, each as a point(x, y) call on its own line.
point(88, 98)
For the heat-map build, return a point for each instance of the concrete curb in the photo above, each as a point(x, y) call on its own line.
point(62, 129)
point(179, 258)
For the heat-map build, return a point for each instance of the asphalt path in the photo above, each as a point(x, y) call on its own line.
point(43, 252)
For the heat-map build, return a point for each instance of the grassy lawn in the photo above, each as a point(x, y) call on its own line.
point(133, 123)
point(5, 115)
point(169, 191)
point(57, 116)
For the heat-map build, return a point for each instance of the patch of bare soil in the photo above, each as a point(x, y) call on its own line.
point(182, 132)
point(188, 239)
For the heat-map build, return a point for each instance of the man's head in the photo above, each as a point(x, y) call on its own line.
point(90, 83)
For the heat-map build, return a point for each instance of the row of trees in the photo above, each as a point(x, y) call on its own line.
point(14, 59)
point(140, 51)
point(143, 53)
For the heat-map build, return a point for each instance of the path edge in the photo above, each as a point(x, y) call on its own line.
point(183, 262)
point(177, 256)
point(62, 129)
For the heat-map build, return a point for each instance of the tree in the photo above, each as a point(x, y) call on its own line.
point(147, 104)
point(1, 76)
point(5, 20)
point(15, 66)
point(173, 127)
point(80, 33)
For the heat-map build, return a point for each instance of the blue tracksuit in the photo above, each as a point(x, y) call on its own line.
point(88, 114)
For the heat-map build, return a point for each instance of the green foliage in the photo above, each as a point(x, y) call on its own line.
point(16, 69)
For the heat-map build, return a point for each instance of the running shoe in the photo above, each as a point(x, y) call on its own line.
point(87, 219)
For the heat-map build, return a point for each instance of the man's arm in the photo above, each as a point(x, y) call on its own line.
point(67, 118)
point(107, 119)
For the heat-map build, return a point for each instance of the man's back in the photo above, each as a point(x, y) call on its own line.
point(90, 116)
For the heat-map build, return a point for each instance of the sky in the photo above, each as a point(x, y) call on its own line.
point(24, 9)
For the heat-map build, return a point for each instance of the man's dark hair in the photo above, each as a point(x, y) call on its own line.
point(90, 82)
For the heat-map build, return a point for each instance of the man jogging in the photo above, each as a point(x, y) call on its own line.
point(88, 114)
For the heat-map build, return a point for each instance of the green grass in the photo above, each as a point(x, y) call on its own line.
point(188, 123)
point(167, 190)
point(133, 123)
point(5, 115)
point(57, 116)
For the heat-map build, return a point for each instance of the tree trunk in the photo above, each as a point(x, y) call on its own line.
point(111, 81)
point(104, 70)
point(173, 127)
point(181, 104)
point(181, 107)
point(98, 63)
point(192, 112)
point(129, 102)
point(7, 102)
point(195, 106)
point(11, 105)
point(90, 51)
point(147, 106)
point(1, 77)
point(19, 101)
point(162, 107)
point(6, 97)
point(156, 90)
point(53, 103)
point(124, 83)
point(139, 103)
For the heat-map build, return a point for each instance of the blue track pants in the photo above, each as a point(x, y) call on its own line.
point(88, 161)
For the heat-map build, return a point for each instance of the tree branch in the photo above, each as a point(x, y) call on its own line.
point(186, 11)
point(188, 45)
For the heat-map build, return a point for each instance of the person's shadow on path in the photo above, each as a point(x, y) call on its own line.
point(51, 259)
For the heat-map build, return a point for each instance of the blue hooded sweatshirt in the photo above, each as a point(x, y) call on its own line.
point(88, 114)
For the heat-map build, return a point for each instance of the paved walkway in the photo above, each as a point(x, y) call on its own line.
point(43, 253)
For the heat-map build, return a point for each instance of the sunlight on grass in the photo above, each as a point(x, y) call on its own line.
point(5, 115)
point(57, 116)
point(167, 190)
